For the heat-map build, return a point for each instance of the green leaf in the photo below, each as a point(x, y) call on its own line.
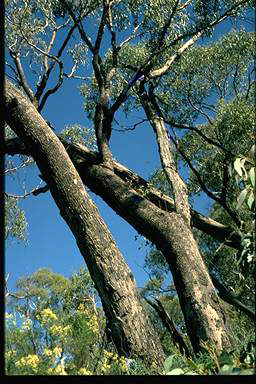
point(251, 200)
point(191, 373)
point(252, 176)
point(168, 363)
point(226, 369)
point(252, 152)
point(241, 198)
point(176, 371)
point(238, 166)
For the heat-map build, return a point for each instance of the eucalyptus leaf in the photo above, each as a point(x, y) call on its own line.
point(176, 371)
point(168, 363)
point(252, 176)
point(226, 369)
point(251, 200)
point(241, 198)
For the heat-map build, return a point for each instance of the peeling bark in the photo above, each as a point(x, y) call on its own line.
point(179, 187)
point(199, 302)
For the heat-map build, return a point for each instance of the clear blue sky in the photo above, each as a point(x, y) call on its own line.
point(51, 244)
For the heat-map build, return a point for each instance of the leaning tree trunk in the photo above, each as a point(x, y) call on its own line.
point(130, 327)
point(173, 236)
point(199, 302)
point(153, 218)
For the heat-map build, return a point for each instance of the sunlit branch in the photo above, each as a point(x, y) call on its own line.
point(35, 191)
point(73, 69)
point(38, 49)
point(54, 32)
point(156, 120)
point(45, 77)
point(18, 167)
point(22, 78)
point(195, 35)
point(181, 50)
point(184, 5)
point(77, 76)
point(132, 36)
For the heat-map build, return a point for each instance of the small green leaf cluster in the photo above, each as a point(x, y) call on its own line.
point(15, 220)
point(245, 177)
point(244, 169)
point(208, 363)
point(78, 134)
point(57, 327)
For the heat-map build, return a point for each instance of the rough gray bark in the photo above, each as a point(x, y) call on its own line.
point(172, 235)
point(130, 327)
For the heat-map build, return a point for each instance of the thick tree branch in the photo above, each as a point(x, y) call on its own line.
point(83, 158)
point(157, 122)
point(22, 78)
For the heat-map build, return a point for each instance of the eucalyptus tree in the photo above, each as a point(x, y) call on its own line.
point(135, 50)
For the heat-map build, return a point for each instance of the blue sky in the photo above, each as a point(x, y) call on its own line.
point(50, 242)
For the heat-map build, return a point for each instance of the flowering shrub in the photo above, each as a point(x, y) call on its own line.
point(59, 333)
point(28, 363)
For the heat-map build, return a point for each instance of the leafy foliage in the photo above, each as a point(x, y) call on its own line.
point(55, 326)
point(228, 363)
point(77, 134)
point(15, 220)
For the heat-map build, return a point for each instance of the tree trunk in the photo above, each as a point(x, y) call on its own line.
point(171, 235)
point(130, 327)
point(153, 220)
point(199, 302)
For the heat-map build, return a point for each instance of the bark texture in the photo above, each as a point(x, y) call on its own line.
point(172, 235)
point(167, 230)
point(130, 327)
point(119, 190)
point(82, 157)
